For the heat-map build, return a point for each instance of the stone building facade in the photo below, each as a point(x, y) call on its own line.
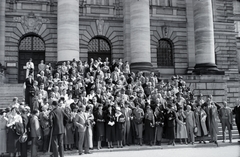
point(199, 40)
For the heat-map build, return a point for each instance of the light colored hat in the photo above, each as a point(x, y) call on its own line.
point(118, 108)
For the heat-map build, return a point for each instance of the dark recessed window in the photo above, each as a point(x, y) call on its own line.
point(165, 53)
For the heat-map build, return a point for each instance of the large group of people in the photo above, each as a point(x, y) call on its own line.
point(81, 105)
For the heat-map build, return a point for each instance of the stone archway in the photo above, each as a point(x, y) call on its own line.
point(30, 46)
point(99, 47)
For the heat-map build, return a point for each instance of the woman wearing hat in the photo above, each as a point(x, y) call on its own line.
point(181, 125)
point(110, 126)
point(12, 138)
point(149, 125)
point(170, 123)
point(120, 120)
point(138, 115)
point(100, 125)
point(200, 116)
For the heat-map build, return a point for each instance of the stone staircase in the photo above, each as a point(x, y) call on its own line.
point(235, 134)
point(8, 91)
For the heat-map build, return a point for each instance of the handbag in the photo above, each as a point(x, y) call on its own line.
point(195, 130)
point(23, 138)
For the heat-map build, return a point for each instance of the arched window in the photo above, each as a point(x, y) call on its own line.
point(99, 47)
point(30, 46)
point(165, 53)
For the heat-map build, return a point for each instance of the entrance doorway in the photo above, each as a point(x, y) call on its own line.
point(30, 47)
point(99, 47)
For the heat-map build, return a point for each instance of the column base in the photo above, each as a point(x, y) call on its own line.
point(207, 69)
point(141, 66)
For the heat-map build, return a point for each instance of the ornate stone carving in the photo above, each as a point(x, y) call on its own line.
point(31, 23)
point(165, 31)
point(100, 25)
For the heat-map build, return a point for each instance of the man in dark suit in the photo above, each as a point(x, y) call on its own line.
point(57, 117)
point(35, 132)
point(29, 91)
point(25, 119)
point(236, 111)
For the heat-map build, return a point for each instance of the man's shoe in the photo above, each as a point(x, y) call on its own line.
point(80, 153)
point(223, 141)
point(88, 153)
point(216, 143)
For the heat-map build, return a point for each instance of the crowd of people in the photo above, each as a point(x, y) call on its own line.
point(85, 106)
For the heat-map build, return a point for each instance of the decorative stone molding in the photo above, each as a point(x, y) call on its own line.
point(100, 25)
point(30, 22)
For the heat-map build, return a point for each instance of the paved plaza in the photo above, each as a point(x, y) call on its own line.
point(227, 151)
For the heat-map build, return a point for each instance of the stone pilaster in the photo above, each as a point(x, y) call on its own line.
point(140, 35)
point(204, 38)
point(2, 31)
point(68, 30)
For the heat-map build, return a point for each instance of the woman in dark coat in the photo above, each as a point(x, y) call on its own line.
point(69, 131)
point(159, 118)
point(110, 126)
point(170, 124)
point(29, 91)
point(149, 126)
point(100, 125)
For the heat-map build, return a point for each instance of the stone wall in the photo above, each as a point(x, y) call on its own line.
point(209, 85)
point(24, 18)
point(226, 45)
point(170, 22)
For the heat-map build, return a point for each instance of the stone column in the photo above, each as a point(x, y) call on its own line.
point(204, 38)
point(2, 31)
point(190, 36)
point(68, 30)
point(140, 35)
point(126, 28)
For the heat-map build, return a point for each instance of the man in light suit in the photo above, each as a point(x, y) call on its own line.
point(56, 118)
point(35, 132)
point(212, 115)
point(82, 123)
point(226, 119)
point(190, 124)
